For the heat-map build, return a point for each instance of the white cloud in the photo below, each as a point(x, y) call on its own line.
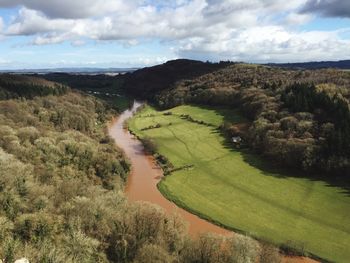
point(181, 20)
point(147, 61)
point(72, 8)
point(296, 19)
point(253, 30)
point(78, 43)
point(51, 39)
point(271, 43)
point(1, 25)
point(4, 62)
point(31, 22)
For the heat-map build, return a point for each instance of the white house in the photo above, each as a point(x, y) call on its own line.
point(236, 139)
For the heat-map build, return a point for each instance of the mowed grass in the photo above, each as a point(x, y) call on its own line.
point(226, 189)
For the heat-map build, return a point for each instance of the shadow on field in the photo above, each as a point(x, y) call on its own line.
point(267, 166)
point(270, 168)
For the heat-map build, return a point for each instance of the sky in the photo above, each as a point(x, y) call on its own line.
point(137, 33)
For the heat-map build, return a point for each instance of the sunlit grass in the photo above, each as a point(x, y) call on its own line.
point(225, 186)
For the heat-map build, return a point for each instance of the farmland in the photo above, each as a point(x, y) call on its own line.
point(238, 190)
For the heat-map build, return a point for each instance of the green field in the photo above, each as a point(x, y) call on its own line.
point(225, 188)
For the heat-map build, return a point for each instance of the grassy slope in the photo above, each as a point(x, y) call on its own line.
point(226, 189)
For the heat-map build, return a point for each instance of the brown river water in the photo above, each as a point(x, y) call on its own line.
point(145, 175)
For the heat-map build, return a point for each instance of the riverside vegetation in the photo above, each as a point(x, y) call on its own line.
point(61, 181)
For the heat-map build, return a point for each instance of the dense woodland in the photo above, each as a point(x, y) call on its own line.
point(85, 82)
point(61, 200)
point(18, 86)
point(341, 64)
point(105, 87)
point(146, 82)
point(299, 118)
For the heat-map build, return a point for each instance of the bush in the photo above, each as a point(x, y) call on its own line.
point(153, 253)
point(150, 145)
point(34, 227)
point(269, 254)
point(6, 228)
point(293, 249)
point(81, 248)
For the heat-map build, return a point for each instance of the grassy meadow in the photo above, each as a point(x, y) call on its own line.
point(229, 187)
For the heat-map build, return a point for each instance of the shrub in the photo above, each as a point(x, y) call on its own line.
point(81, 248)
point(245, 249)
point(153, 253)
point(269, 253)
point(6, 228)
point(34, 227)
point(293, 249)
point(150, 145)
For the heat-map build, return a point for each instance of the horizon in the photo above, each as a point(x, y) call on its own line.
point(116, 34)
point(136, 68)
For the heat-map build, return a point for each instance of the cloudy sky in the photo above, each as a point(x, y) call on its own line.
point(128, 33)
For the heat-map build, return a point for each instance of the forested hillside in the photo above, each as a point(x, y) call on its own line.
point(341, 64)
point(146, 82)
point(56, 166)
point(16, 86)
point(102, 86)
point(85, 82)
point(299, 118)
point(61, 200)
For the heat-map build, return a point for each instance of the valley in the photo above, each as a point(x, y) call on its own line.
point(228, 155)
point(235, 189)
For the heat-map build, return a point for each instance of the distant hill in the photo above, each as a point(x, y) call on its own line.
point(82, 71)
point(82, 81)
point(342, 64)
point(14, 86)
point(147, 81)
